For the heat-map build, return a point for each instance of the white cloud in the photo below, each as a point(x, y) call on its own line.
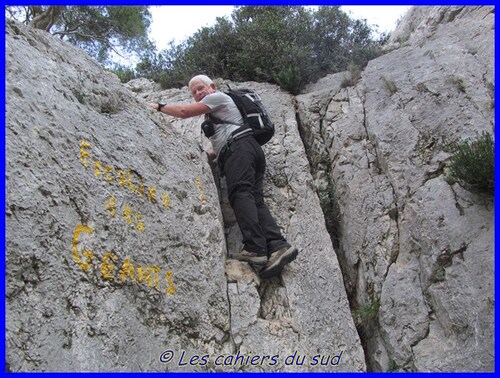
point(180, 22)
point(382, 16)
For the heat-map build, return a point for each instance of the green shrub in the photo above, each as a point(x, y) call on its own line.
point(354, 77)
point(288, 45)
point(392, 367)
point(458, 83)
point(347, 82)
point(366, 313)
point(403, 39)
point(290, 79)
point(125, 74)
point(472, 164)
point(391, 85)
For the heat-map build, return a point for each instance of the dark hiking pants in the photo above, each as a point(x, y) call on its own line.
point(244, 165)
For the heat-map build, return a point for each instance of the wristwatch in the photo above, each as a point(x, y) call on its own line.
point(161, 104)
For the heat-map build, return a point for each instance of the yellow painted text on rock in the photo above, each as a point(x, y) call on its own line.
point(127, 271)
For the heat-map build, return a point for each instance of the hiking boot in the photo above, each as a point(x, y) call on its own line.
point(277, 261)
point(255, 260)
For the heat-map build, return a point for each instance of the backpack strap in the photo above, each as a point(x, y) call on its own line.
point(242, 131)
point(218, 121)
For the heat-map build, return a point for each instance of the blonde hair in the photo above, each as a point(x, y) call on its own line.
point(203, 78)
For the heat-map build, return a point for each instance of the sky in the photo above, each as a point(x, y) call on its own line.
point(179, 22)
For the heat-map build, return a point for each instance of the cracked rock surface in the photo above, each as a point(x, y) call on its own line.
point(114, 241)
point(119, 251)
point(409, 241)
point(120, 236)
point(305, 311)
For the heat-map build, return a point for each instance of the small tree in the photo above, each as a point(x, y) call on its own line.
point(472, 164)
point(125, 74)
point(290, 79)
point(99, 30)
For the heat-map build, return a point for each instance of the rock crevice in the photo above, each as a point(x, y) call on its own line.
point(400, 219)
point(120, 234)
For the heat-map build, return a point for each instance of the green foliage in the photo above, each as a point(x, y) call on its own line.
point(392, 367)
point(99, 30)
point(151, 66)
point(491, 91)
point(458, 82)
point(355, 76)
point(125, 74)
point(290, 79)
point(472, 164)
point(390, 85)
point(403, 39)
point(286, 45)
point(272, 39)
point(366, 313)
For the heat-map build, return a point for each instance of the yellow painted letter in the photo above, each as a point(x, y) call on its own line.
point(146, 274)
point(152, 194)
point(122, 177)
point(203, 198)
point(88, 254)
point(110, 206)
point(107, 176)
point(141, 187)
point(106, 267)
point(139, 225)
point(166, 200)
point(97, 168)
point(127, 214)
point(84, 155)
point(130, 184)
point(171, 288)
point(127, 270)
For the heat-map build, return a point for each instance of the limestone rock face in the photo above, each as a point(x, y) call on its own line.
point(115, 245)
point(117, 253)
point(120, 237)
point(306, 311)
point(410, 242)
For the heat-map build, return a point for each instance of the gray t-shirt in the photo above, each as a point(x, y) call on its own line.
point(223, 108)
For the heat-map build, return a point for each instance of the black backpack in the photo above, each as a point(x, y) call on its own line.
point(253, 112)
